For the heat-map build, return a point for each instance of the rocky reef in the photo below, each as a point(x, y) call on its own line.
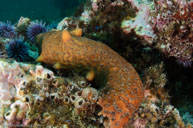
point(82, 83)
point(33, 96)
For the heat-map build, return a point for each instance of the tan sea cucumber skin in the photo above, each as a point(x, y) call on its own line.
point(125, 87)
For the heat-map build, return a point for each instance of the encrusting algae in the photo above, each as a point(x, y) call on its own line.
point(123, 91)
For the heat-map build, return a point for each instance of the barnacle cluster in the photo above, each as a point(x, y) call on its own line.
point(156, 109)
point(165, 25)
point(154, 76)
point(158, 114)
point(31, 95)
point(173, 26)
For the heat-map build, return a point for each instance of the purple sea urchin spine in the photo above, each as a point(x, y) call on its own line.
point(186, 62)
point(34, 29)
point(18, 49)
point(7, 30)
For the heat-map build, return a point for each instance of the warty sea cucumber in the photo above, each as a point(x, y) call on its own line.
point(124, 91)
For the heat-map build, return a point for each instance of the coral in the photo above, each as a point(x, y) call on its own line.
point(34, 29)
point(124, 86)
point(7, 30)
point(18, 49)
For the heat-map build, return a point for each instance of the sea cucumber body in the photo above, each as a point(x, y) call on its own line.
point(125, 92)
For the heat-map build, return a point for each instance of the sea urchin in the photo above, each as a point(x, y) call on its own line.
point(18, 49)
point(186, 62)
point(34, 29)
point(7, 30)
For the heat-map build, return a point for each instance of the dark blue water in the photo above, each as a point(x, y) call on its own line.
point(48, 10)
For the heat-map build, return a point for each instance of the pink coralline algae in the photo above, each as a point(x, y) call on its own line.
point(174, 29)
point(139, 123)
point(12, 76)
point(94, 5)
point(140, 23)
point(166, 25)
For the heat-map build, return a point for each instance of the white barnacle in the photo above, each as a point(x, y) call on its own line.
point(54, 96)
point(83, 83)
point(38, 98)
point(20, 104)
point(78, 93)
point(45, 87)
point(19, 92)
point(55, 82)
point(39, 80)
point(22, 84)
point(10, 115)
point(46, 116)
point(27, 98)
point(79, 103)
point(71, 86)
point(49, 75)
point(39, 70)
point(90, 93)
point(66, 100)
point(72, 98)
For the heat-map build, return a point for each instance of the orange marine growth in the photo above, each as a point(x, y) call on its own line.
point(123, 91)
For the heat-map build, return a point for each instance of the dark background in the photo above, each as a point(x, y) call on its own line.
point(46, 10)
